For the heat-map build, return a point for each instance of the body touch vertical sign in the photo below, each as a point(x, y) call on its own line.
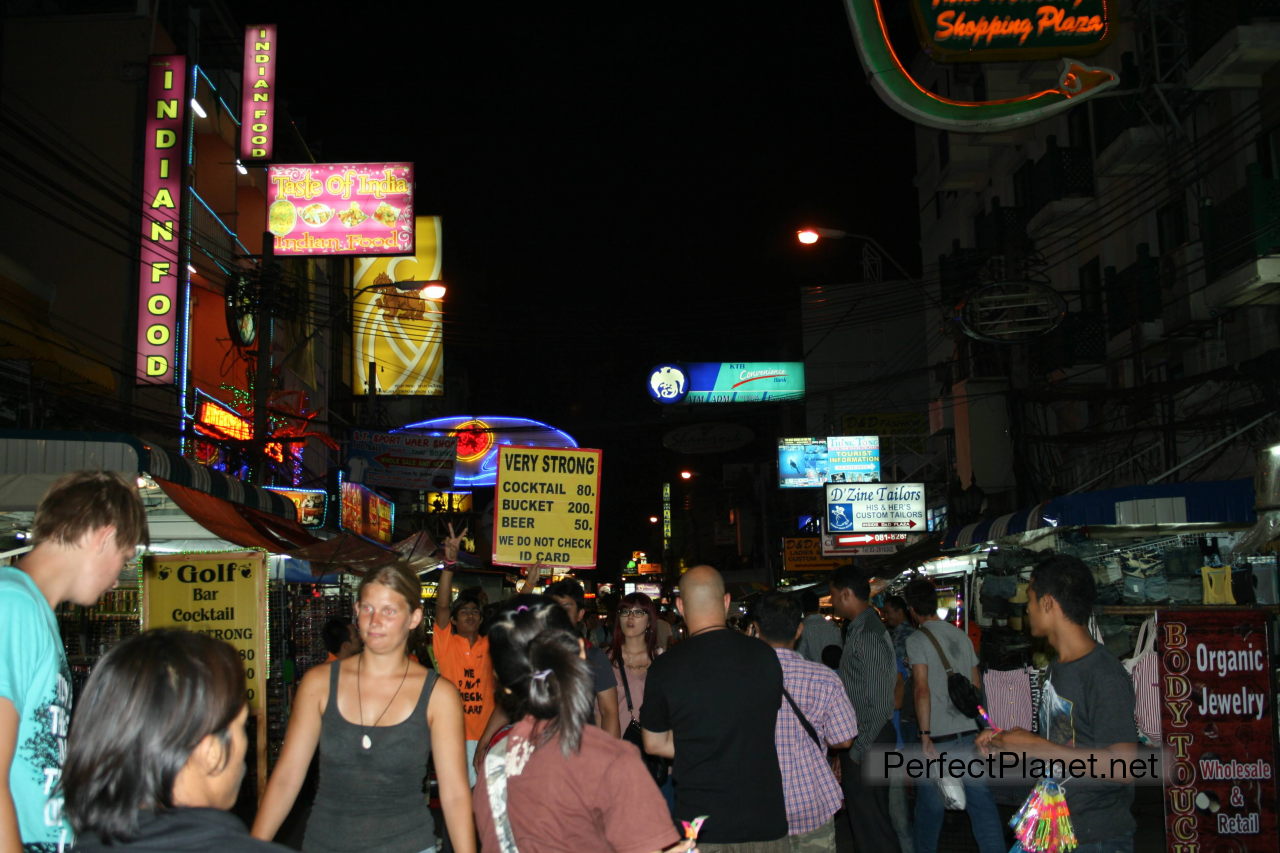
point(258, 95)
point(161, 205)
point(545, 506)
point(1218, 727)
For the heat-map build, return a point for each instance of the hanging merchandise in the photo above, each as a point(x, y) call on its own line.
point(1216, 584)
point(1008, 694)
point(1043, 824)
point(1265, 582)
point(1144, 669)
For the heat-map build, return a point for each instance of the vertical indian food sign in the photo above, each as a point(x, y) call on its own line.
point(159, 255)
point(258, 93)
point(1218, 727)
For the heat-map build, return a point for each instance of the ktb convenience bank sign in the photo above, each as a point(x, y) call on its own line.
point(727, 382)
point(875, 507)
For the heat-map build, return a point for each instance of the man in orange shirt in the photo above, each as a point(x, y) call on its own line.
point(461, 653)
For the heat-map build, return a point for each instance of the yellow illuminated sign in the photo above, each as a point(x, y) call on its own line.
point(399, 331)
point(223, 595)
point(545, 506)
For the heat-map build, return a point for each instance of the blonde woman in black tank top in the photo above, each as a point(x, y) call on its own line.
point(375, 717)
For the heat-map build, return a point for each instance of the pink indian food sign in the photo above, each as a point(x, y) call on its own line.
point(158, 251)
point(341, 208)
point(258, 99)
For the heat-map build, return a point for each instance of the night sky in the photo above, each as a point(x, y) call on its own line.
point(619, 186)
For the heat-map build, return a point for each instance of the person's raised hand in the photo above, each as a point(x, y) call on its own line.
point(451, 543)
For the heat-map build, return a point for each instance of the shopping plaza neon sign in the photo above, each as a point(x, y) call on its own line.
point(161, 199)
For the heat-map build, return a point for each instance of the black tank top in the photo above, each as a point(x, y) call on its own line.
point(372, 799)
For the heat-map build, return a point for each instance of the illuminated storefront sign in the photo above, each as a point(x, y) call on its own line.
point(399, 330)
point(875, 508)
point(727, 382)
point(221, 423)
point(993, 30)
point(1218, 727)
point(480, 438)
point(365, 512)
point(402, 460)
point(161, 211)
point(341, 208)
point(311, 504)
point(258, 98)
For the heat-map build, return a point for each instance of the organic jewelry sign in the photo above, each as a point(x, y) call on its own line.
point(990, 30)
point(1218, 727)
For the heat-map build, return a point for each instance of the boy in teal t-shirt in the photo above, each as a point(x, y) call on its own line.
point(85, 531)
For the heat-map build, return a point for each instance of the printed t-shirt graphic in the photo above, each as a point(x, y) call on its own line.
point(35, 678)
point(468, 666)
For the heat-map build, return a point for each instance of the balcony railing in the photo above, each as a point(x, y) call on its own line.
point(1079, 339)
point(1210, 20)
point(1133, 293)
point(1245, 226)
point(1002, 230)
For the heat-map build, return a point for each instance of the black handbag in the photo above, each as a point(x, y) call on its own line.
point(657, 766)
point(964, 696)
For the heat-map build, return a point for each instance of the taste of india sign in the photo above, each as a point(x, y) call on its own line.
point(545, 507)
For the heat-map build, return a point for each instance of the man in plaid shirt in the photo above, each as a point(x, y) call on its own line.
point(810, 789)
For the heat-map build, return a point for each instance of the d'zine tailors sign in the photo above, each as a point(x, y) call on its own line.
point(991, 30)
point(341, 208)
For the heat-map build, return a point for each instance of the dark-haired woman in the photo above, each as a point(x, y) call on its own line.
point(155, 755)
point(555, 782)
point(376, 717)
point(634, 647)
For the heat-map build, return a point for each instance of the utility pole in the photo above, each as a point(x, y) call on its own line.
point(268, 276)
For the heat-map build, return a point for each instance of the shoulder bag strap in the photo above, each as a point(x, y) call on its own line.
point(804, 721)
point(946, 664)
point(626, 688)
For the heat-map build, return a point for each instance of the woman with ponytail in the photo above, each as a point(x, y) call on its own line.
point(557, 783)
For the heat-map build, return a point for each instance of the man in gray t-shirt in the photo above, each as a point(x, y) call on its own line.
point(1086, 709)
point(942, 727)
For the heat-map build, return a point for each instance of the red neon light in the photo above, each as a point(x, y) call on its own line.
point(884, 32)
point(754, 378)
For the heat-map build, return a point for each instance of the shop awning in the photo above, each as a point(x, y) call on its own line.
point(1208, 502)
point(237, 523)
point(347, 552)
point(167, 465)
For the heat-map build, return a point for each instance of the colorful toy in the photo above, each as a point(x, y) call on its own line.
point(1043, 824)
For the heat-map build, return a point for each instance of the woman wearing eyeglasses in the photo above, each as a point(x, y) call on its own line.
point(634, 647)
point(376, 717)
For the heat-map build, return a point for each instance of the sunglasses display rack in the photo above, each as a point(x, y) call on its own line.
point(90, 632)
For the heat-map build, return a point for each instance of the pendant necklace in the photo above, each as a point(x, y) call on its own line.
point(365, 741)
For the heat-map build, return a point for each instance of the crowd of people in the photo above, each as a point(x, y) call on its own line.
point(547, 729)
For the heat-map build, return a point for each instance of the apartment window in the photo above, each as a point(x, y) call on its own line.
point(1090, 279)
point(1171, 225)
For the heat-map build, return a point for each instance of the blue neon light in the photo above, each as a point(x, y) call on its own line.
point(510, 431)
